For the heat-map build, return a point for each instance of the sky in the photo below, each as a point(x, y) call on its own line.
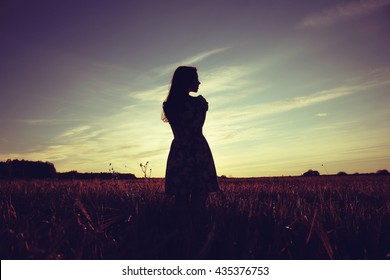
point(291, 85)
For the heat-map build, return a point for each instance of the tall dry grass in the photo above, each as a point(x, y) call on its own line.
point(267, 218)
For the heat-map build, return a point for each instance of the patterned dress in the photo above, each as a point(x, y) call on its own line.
point(190, 165)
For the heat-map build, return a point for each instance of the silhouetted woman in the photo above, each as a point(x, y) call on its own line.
point(190, 173)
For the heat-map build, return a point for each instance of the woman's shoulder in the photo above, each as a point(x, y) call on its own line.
point(200, 99)
point(202, 102)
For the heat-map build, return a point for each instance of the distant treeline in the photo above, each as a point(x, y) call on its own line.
point(88, 176)
point(24, 169)
point(313, 173)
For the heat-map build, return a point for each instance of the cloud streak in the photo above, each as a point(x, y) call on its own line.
point(168, 69)
point(374, 78)
point(75, 131)
point(339, 13)
point(229, 125)
point(51, 122)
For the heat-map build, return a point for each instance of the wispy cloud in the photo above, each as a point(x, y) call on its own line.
point(153, 94)
point(75, 131)
point(46, 121)
point(229, 79)
point(304, 101)
point(229, 124)
point(339, 13)
point(374, 78)
point(201, 56)
point(167, 69)
point(251, 112)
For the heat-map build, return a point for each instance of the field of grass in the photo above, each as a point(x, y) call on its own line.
point(325, 217)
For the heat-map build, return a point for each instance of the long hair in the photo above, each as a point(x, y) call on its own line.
point(181, 83)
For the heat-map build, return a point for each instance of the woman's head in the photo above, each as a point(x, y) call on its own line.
point(185, 79)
